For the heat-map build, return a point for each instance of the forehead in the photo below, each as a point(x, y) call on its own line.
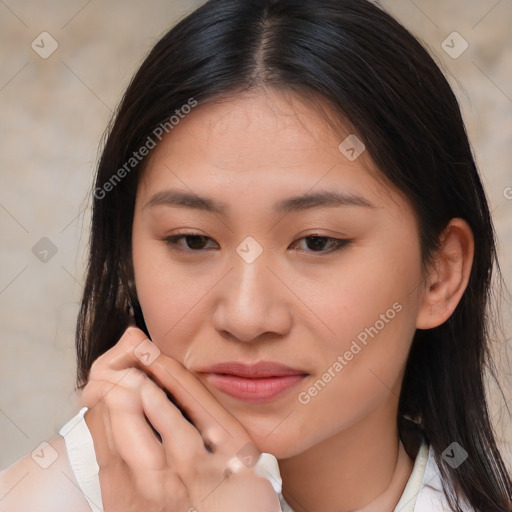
point(254, 148)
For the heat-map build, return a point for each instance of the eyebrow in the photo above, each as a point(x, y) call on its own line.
point(324, 198)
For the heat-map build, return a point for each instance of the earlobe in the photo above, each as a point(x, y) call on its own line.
point(449, 276)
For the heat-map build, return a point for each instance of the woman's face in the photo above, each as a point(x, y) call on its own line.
point(256, 288)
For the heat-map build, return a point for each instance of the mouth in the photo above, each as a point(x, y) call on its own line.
point(257, 383)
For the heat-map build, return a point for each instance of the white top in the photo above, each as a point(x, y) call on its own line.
point(423, 491)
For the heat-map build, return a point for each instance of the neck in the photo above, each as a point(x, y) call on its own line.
point(390, 497)
point(363, 468)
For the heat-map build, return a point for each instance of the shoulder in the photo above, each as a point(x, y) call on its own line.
point(42, 481)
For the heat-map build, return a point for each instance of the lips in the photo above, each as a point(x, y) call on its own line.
point(258, 370)
point(257, 383)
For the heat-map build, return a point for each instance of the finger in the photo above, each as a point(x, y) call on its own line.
point(181, 440)
point(135, 441)
point(133, 437)
point(213, 421)
point(100, 385)
point(216, 425)
point(120, 356)
point(134, 349)
point(98, 423)
point(115, 404)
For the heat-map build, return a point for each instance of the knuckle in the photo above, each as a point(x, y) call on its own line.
point(132, 330)
point(134, 379)
point(112, 398)
point(86, 398)
point(151, 387)
point(96, 368)
point(89, 393)
point(129, 341)
point(214, 436)
point(132, 338)
point(93, 392)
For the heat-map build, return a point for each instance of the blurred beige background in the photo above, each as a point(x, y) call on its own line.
point(53, 113)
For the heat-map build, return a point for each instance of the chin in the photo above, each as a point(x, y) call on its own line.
point(280, 446)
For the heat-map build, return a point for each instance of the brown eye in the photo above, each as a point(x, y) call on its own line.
point(318, 243)
point(314, 244)
point(193, 242)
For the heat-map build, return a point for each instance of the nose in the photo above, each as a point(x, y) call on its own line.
point(252, 302)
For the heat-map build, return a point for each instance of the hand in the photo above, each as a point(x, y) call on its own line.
point(167, 454)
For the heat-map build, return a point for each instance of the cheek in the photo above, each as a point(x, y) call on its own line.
point(354, 378)
point(170, 297)
point(371, 314)
point(371, 294)
point(154, 283)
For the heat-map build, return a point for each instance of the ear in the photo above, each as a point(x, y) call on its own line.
point(449, 276)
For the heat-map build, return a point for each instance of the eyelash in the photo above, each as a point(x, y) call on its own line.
point(172, 242)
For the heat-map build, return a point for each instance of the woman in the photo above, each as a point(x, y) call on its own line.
point(288, 205)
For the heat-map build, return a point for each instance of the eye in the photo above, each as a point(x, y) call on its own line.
point(317, 243)
point(196, 243)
